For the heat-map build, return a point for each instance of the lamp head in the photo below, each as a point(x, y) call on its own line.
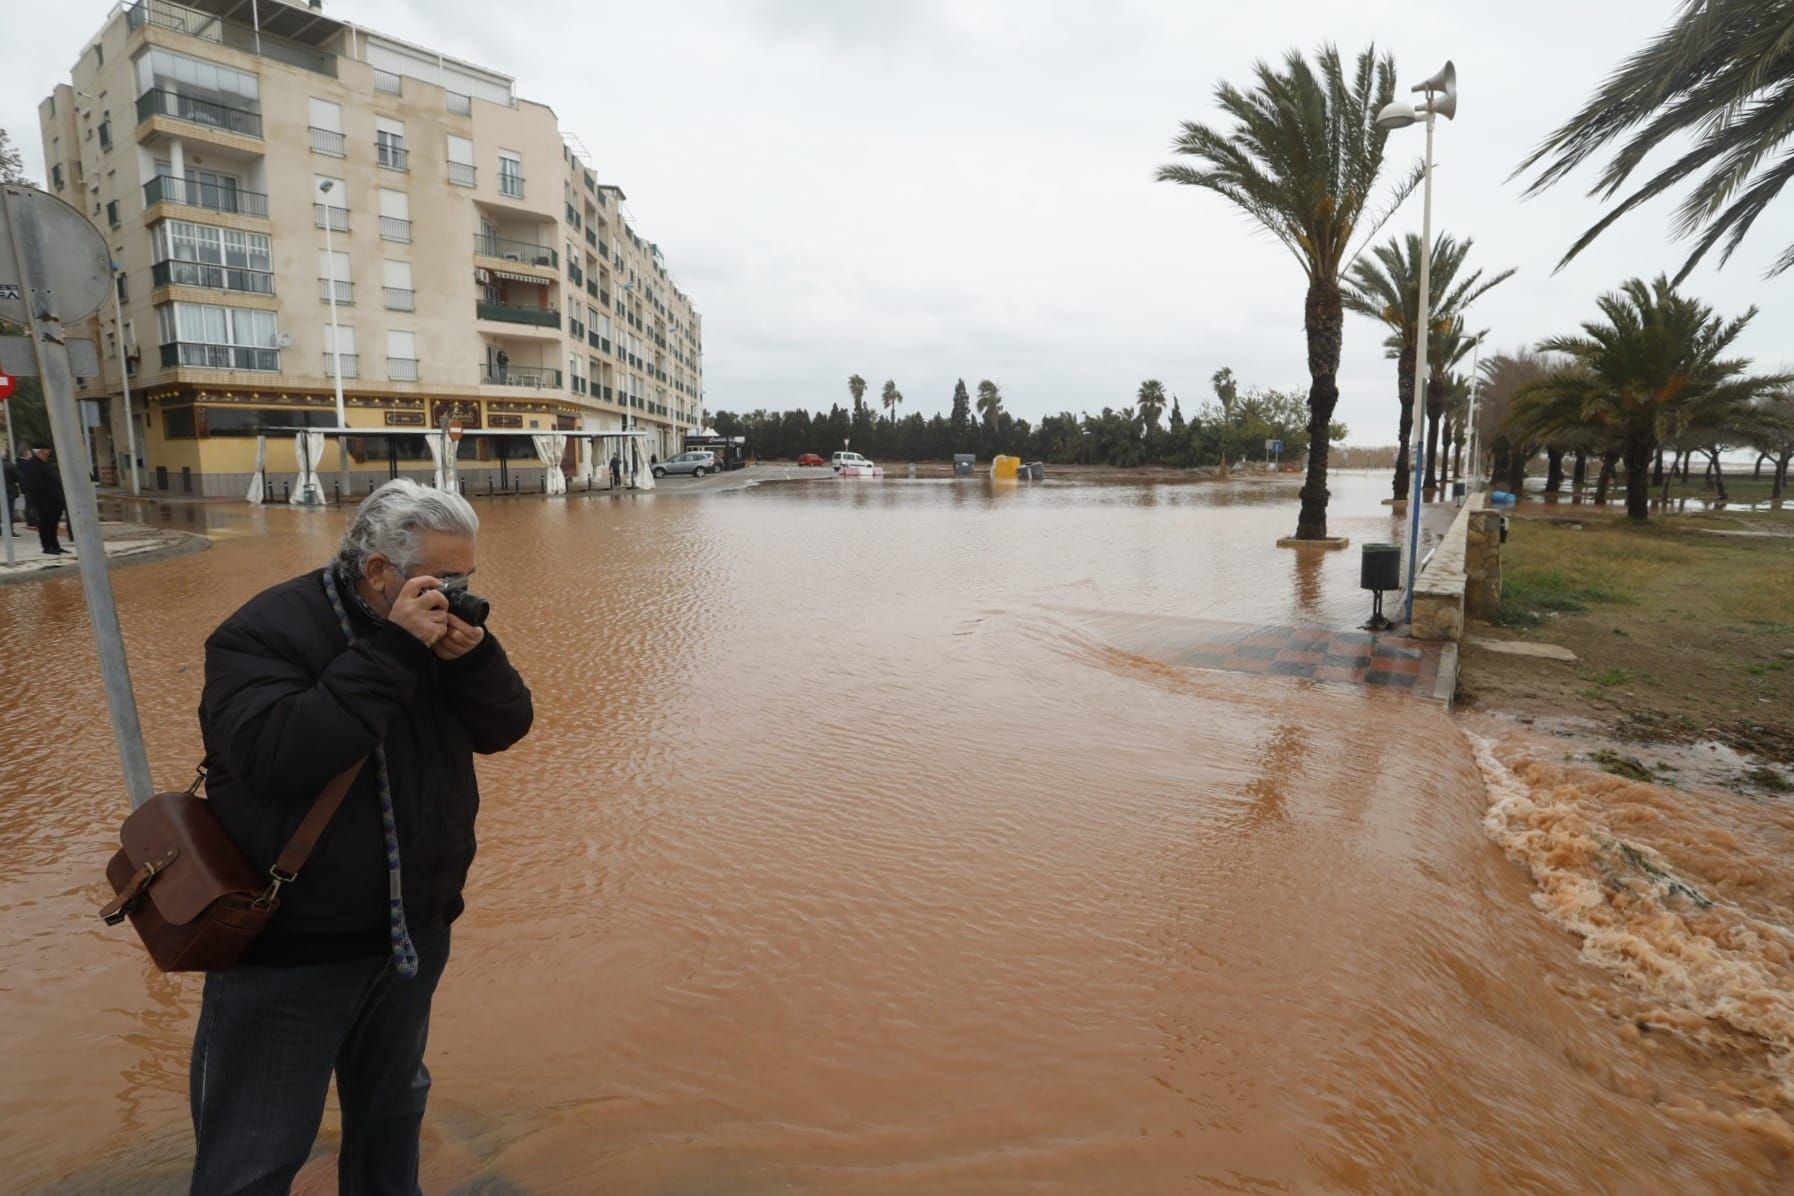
point(1396, 115)
point(1441, 90)
point(325, 186)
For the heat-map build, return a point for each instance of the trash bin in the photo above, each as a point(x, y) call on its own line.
point(1380, 567)
point(1457, 492)
point(962, 464)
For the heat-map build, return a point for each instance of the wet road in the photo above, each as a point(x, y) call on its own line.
point(851, 854)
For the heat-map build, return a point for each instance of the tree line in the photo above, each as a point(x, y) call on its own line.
point(1151, 430)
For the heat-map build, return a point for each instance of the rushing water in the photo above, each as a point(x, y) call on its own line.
point(847, 856)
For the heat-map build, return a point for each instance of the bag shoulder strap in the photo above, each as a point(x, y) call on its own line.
point(299, 847)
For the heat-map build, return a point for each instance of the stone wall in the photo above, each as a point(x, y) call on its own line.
point(1482, 566)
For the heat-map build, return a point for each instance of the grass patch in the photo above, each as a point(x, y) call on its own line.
point(1612, 677)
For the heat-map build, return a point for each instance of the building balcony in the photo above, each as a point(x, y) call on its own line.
point(400, 299)
point(163, 14)
point(513, 313)
point(510, 186)
point(592, 337)
point(508, 250)
point(326, 141)
point(215, 278)
point(392, 157)
point(461, 174)
point(221, 357)
point(401, 369)
point(591, 236)
point(351, 364)
point(166, 188)
point(344, 288)
point(533, 377)
point(195, 110)
point(395, 228)
point(592, 287)
point(334, 219)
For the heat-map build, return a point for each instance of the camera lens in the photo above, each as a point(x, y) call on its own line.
point(469, 607)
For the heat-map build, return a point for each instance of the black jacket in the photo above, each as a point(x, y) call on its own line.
point(287, 706)
point(42, 482)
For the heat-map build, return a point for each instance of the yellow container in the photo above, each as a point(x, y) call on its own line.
point(1003, 469)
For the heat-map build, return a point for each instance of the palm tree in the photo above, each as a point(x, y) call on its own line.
point(891, 396)
point(1721, 75)
point(1504, 376)
point(1447, 346)
point(1653, 371)
point(1386, 287)
point(1151, 403)
point(1302, 160)
point(856, 386)
point(1226, 389)
point(990, 403)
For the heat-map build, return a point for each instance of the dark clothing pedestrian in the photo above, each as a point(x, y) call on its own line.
point(616, 470)
point(43, 495)
point(288, 704)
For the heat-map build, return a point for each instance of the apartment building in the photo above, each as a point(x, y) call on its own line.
point(284, 191)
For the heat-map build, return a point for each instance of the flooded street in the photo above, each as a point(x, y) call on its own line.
point(850, 853)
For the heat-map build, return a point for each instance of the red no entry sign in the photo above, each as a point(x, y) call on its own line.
point(6, 384)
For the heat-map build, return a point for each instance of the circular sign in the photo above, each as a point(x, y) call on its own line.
point(7, 382)
point(77, 267)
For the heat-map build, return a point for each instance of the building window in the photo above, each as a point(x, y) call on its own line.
point(333, 274)
point(397, 281)
point(339, 342)
point(401, 355)
point(200, 255)
point(395, 216)
point(459, 104)
point(119, 282)
point(330, 205)
point(112, 212)
point(327, 128)
point(56, 175)
point(460, 161)
point(219, 338)
point(389, 144)
point(510, 175)
point(106, 132)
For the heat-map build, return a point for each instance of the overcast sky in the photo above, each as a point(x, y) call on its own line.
point(934, 189)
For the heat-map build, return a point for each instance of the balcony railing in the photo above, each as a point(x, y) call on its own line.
point(218, 278)
point(592, 287)
point(395, 228)
point(392, 157)
point(538, 377)
point(458, 104)
point(400, 299)
point(575, 329)
point(592, 337)
point(208, 27)
point(220, 357)
point(345, 290)
point(461, 174)
point(210, 113)
point(576, 384)
point(166, 188)
point(401, 369)
point(517, 314)
point(510, 185)
point(389, 83)
point(351, 365)
point(328, 141)
point(515, 251)
point(591, 236)
point(334, 219)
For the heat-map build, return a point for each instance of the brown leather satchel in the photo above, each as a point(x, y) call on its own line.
point(192, 896)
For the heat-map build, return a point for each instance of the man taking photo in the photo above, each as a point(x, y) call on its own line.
point(362, 660)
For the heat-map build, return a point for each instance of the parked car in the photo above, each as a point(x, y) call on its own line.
point(697, 463)
point(811, 459)
point(841, 461)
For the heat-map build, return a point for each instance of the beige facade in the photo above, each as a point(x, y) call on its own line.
point(245, 176)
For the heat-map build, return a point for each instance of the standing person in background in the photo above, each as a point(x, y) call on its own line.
point(43, 494)
point(15, 486)
point(616, 471)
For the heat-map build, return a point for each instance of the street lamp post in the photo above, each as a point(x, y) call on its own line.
point(336, 352)
point(124, 378)
point(1441, 92)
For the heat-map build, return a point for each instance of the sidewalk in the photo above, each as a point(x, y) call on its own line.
point(134, 542)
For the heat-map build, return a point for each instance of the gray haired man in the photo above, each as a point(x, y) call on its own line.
point(360, 661)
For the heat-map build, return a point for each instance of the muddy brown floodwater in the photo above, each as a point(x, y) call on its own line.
point(846, 856)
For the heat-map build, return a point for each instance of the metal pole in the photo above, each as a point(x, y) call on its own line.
point(84, 516)
point(1421, 330)
point(124, 380)
point(336, 355)
point(12, 459)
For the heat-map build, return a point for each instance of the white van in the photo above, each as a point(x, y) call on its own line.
point(854, 461)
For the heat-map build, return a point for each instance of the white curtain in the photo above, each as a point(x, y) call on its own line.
point(635, 458)
point(582, 469)
point(549, 450)
point(258, 481)
point(308, 450)
point(434, 440)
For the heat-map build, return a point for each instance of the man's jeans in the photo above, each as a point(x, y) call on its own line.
point(267, 1042)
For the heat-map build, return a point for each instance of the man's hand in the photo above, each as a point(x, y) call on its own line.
point(460, 639)
point(422, 609)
